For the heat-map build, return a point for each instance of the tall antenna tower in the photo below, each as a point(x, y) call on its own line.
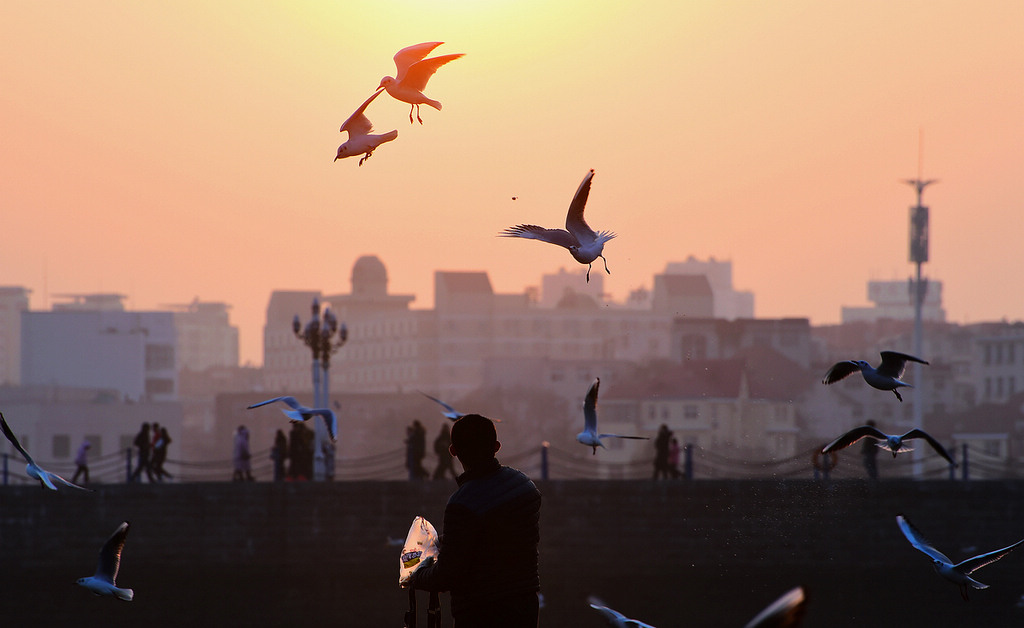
point(918, 287)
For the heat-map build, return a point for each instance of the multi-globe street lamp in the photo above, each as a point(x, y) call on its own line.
point(319, 335)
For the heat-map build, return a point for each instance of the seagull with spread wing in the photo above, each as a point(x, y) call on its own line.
point(447, 410)
point(103, 582)
point(589, 435)
point(300, 412)
point(46, 479)
point(959, 573)
point(613, 617)
point(414, 70)
point(885, 377)
point(891, 442)
point(584, 244)
point(361, 140)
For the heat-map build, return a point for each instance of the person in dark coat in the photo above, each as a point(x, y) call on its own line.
point(487, 554)
point(662, 443)
point(444, 457)
point(144, 444)
point(279, 454)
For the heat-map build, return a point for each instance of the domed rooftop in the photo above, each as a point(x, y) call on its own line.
point(369, 277)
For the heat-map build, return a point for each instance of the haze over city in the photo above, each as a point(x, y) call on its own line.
point(174, 151)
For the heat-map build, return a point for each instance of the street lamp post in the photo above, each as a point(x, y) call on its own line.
point(318, 335)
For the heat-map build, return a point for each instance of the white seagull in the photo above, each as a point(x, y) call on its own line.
point(300, 412)
point(785, 612)
point(413, 73)
point(885, 377)
point(33, 470)
point(615, 618)
point(958, 573)
point(585, 244)
point(589, 435)
point(359, 130)
point(103, 582)
point(890, 442)
point(448, 411)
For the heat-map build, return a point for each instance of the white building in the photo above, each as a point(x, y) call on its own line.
point(895, 300)
point(13, 301)
point(206, 337)
point(729, 303)
point(132, 353)
point(392, 348)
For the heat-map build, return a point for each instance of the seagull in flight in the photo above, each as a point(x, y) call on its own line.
point(890, 442)
point(613, 617)
point(360, 138)
point(46, 479)
point(585, 244)
point(589, 435)
point(959, 573)
point(300, 412)
point(885, 377)
point(103, 582)
point(413, 73)
point(785, 612)
point(448, 411)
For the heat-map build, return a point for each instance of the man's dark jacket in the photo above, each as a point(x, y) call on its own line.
point(488, 545)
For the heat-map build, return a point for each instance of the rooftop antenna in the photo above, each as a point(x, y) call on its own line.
point(918, 287)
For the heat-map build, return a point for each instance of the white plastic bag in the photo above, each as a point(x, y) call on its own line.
point(420, 544)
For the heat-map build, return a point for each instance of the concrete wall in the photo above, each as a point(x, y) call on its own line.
point(709, 553)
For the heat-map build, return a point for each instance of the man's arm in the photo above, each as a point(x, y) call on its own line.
point(454, 560)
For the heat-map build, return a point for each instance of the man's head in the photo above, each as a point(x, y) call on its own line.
point(474, 440)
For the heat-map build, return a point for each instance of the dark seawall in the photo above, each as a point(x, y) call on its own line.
point(707, 553)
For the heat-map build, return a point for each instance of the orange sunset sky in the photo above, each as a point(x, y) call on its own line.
point(180, 149)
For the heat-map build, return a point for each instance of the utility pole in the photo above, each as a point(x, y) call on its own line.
point(918, 288)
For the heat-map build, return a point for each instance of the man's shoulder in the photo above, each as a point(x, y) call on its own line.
point(504, 484)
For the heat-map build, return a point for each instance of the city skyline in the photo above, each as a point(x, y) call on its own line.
point(180, 151)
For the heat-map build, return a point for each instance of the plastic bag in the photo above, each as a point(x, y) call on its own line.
point(420, 544)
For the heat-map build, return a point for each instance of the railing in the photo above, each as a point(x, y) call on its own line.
point(547, 461)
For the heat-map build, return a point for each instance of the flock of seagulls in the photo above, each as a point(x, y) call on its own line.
point(414, 70)
point(103, 581)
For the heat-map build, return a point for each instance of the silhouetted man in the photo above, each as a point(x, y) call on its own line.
point(488, 544)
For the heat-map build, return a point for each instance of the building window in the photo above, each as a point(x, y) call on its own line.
point(690, 411)
point(159, 357)
point(61, 446)
point(159, 386)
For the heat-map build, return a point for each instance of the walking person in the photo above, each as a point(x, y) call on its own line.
point(160, 443)
point(82, 462)
point(661, 446)
point(242, 457)
point(444, 457)
point(278, 453)
point(415, 450)
point(673, 458)
point(143, 443)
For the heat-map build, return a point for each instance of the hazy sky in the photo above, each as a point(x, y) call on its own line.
point(174, 150)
